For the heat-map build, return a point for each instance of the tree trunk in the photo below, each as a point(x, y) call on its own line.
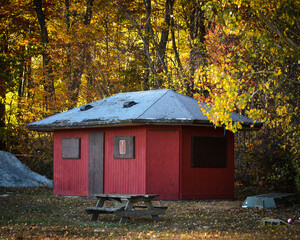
point(194, 17)
point(165, 31)
point(24, 77)
point(49, 81)
point(174, 46)
point(87, 51)
point(69, 67)
point(4, 77)
point(130, 17)
point(88, 13)
point(147, 4)
point(2, 113)
point(77, 66)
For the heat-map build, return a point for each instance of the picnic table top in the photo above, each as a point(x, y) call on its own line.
point(126, 196)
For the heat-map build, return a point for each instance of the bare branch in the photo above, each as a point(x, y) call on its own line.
point(276, 30)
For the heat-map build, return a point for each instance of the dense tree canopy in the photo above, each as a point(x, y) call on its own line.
point(237, 55)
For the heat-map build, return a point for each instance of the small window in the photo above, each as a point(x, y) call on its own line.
point(124, 147)
point(208, 152)
point(71, 148)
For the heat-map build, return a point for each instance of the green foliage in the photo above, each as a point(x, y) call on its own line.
point(263, 161)
point(36, 150)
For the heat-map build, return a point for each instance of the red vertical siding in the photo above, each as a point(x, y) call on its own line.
point(206, 182)
point(125, 176)
point(70, 175)
point(146, 173)
point(163, 164)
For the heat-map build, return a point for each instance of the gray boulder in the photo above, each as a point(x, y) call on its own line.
point(13, 173)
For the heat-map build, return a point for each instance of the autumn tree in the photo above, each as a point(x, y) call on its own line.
point(238, 56)
point(252, 69)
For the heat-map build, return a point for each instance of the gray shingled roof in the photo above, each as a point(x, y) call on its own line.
point(160, 107)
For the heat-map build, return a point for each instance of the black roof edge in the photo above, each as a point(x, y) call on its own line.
point(252, 126)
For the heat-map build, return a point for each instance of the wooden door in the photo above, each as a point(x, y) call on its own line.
point(163, 164)
point(96, 163)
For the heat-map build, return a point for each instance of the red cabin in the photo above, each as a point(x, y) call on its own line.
point(150, 142)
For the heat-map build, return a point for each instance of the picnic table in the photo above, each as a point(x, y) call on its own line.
point(124, 206)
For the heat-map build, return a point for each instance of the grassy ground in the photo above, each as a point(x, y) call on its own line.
point(32, 213)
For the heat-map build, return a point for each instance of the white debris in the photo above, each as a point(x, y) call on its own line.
point(4, 195)
point(13, 173)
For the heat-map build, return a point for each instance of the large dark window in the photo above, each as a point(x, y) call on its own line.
point(71, 148)
point(208, 152)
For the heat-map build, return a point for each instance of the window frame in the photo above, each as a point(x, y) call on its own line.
point(129, 142)
point(71, 148)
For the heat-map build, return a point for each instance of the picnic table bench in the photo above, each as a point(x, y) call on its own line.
point(124, 206)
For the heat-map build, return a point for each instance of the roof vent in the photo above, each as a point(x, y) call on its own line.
point(129, 104)
point(86, 107)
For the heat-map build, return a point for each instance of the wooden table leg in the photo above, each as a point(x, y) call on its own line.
point(129, 207)
point(150, 207)
point(95, 215)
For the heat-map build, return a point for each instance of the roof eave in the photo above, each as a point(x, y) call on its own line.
point(130, 122)
point(127, 122)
